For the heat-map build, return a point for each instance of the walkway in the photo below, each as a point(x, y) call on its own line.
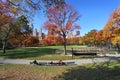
point(77, 61)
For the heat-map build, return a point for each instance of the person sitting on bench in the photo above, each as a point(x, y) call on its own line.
point(35, 62)
point(60, 62)
point(51, 62)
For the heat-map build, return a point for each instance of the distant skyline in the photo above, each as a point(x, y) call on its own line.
point(94, 14)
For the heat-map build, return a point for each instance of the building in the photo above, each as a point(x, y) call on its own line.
point(39, 34)
point(70, 35)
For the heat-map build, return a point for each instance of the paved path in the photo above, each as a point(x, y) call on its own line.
point(77, 61)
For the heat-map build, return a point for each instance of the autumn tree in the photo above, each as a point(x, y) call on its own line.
point(111, 30)
point(58, 40)
point(116, 37)
point(21, 29)
point(115, 23)
point(31, 41)
point(115, 18)
point(11, 9)
point(107, 33)
point(90, 38)
point(61, 20)
point(7, 17)
point(51, 40)
point(73, 41)
point(99, 39)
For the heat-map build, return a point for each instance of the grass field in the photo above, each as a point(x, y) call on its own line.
point(101, 71)
point(40, 53)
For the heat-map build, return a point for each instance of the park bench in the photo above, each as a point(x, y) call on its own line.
point(88, 52)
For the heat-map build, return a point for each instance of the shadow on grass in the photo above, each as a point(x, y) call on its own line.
point(98, 72)
point(27, 52)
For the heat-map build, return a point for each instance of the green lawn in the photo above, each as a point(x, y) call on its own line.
point(40, 53)
point(101, 71)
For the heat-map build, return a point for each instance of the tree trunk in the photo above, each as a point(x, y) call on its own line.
point(64, 43)
point(4, 46)
point(65, 49)
point(108, 44)
point(117, 45)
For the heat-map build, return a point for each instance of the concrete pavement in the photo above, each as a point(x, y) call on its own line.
point(77, 61)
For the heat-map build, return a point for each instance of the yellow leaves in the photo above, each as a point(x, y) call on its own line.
point(14, 10)
point(13, 1)
point(108, 30)
point(114, 21)
point(116, 31)
point(116, 36)
point(116, 40)
point(114, 14)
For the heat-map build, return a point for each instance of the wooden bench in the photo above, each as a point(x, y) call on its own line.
point(79, 52)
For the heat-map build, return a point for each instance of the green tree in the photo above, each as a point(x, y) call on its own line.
point(21, 29)
point(7, 17)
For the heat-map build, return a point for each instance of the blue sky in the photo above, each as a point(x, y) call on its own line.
point(94, 14)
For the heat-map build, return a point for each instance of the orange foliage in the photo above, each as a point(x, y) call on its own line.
point(31, 41)
point(99, 35)
point(51, 40)
point(73, 41)
point(116, 36)
point(111, 31)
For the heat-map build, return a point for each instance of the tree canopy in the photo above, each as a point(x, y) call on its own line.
point(61, 20)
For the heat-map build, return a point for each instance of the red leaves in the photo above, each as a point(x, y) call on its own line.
point(61, 19)
point(52, 40)
point(7, 13)
point(31, 41)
